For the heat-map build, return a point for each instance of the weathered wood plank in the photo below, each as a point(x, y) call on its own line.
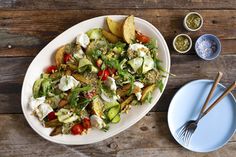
point(149, 137)
point(186, 68)
point(104, 4)
point(189, 68)
point(25, 33)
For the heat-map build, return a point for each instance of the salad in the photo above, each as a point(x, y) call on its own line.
point(96, 78)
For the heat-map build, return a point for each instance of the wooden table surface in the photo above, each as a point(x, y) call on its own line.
point(26, 26)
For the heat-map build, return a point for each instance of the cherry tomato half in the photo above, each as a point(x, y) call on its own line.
point(67, 57)
point(51, 69)
point(86, 123)
point(77, 129)
point(103, 74)
point(111, 71)
point(142, 38)
point(52, 116)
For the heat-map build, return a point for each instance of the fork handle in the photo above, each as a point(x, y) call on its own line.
point(227, 91)
point(217, 80)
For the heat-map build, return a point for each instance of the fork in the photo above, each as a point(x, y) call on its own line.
point(186, 131)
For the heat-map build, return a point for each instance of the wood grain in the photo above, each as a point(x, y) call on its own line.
point(149, 137)
point(26, 26)
point(186, 68)
point(104, 4)
point(25, 33)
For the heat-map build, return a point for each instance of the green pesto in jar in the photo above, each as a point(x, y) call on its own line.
point(193, 21)
point(182, 43)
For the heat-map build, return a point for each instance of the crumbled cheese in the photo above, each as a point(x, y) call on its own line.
point(97, 122)
point(67, 82)
point(138, 95)
point(43, 110)
point(111, 83)
point(34, 103)
point(83, 40)
point(79, 54)
point(106, 98)
point(139, 84)
point(139, 48)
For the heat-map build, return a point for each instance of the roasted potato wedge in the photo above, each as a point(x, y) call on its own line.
point(146, 90)
point(56, 131)
point(72, 66)
point(127, 101)
point(52, 123)
point(81, 78)
point(59, 56)
point(109, 36)
point(115, 27)
point(129, 29)
point(124, 90)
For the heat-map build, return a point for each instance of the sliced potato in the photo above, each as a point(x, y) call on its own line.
point(129, 29)
point(146, 90)
point(52, 123)
point(115, 27)
point(56, 131)
point(81, 78)
point(127, 101)
point(109, 36)
point(124, 90)
point(59, 56)
point(72, 66)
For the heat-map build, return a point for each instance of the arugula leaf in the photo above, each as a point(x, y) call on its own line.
point(160, 85)
point(96, 53)
point(158, 64)
point(149, 97)
point(114, 63)
point(103, 67)
point(73, 99)
point(160, 68)
point(83, 103)
point(152, 46)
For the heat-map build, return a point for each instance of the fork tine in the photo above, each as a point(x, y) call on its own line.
point(181, 130)
point(188, 134)
point(189, 137)
point(185, 135)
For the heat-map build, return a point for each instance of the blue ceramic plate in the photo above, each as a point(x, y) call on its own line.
point(216, 128)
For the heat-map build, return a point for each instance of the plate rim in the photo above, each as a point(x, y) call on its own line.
point(168, 117)
point(117, 131)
